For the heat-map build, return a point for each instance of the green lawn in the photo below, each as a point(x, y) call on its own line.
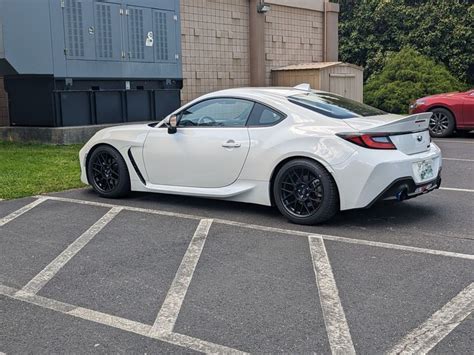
point(30, 169)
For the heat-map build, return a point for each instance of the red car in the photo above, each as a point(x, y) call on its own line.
point(451, 111)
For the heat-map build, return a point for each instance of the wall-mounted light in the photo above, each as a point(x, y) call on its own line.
point(263, 8)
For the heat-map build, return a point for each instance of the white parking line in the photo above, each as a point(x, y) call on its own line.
point(274, 229)
point(424, 338)
point(349, 240)
point(169, 311)
point(456, 159)
point(21, 211)
point(128, 208)
point(38, 282)
point(455, 189)
point(116, 322)
point(197, 344)
point(334, 317)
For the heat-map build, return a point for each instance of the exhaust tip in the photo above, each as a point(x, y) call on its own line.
point(402, 194)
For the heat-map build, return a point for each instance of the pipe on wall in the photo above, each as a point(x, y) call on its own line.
point(256, 44)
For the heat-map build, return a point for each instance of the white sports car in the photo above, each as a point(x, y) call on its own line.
point(309, 153)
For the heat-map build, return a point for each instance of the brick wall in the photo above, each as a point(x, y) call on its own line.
point(4, 119)
point(292, 36)
point(214, 45)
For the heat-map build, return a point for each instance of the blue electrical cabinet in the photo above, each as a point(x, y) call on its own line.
point(81, 62)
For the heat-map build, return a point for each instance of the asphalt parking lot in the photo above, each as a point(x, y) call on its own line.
point(158, 273)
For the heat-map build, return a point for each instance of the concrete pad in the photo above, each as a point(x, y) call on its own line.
point(9, 206)
point(34, 239)
point(387, 293)
point(25, 328)
point(255, 292)
point(127, 268)
point(460, 341)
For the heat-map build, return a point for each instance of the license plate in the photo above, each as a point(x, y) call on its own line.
point(425, 169)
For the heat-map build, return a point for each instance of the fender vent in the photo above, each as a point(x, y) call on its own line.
point(134, 164)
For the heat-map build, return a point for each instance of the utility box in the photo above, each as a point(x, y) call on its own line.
point(340, 78)
point(83, 62)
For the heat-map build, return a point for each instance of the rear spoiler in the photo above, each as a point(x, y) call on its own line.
point(413, 123)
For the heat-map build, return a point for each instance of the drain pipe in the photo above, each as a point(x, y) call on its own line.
point(256, 44)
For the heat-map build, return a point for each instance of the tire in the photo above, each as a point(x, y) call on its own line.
point(305, 192)
point(442, 123)
point(107, 172)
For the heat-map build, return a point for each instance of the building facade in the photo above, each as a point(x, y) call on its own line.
point(229, 43)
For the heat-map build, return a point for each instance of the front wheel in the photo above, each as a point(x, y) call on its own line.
point(107, 172)
point(442, 123)
point(305, 192)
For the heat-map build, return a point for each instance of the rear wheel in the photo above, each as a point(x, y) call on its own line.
point(305, 192)
point(442, 123)
point(107, 172)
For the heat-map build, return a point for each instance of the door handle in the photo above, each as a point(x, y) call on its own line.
point(231, 144)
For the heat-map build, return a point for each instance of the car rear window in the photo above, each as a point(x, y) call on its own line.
point(334, 106)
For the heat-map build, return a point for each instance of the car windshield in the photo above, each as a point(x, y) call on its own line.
point(334, 106)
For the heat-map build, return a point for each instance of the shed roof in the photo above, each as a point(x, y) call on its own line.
point(312, 66)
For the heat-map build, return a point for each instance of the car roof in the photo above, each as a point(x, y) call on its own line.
point(281, 92)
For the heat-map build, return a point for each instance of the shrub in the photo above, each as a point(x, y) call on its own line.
point(440, 29)
point(406, 76)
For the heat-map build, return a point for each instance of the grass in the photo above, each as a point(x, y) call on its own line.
point(30, 169)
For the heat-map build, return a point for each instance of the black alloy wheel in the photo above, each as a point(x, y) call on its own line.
point(442, 123)
point(107, 172)
point(301, 191)
point(305, 192)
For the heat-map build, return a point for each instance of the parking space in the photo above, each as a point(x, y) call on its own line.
point(156, 273)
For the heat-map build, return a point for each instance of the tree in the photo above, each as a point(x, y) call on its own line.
point(407, 75)
point(441, 29)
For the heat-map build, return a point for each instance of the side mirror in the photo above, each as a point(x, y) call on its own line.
point(173, 124)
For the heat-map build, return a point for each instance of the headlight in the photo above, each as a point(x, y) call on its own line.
point(415, 104)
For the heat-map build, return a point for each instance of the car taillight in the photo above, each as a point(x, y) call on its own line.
point(369, 141)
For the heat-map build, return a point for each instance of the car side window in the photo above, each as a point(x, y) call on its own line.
point(264, 116)
point(222, 112)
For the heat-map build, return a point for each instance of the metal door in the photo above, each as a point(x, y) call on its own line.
point(140, 34)
point(79, 29)
point(108, 31)
point(164, 25)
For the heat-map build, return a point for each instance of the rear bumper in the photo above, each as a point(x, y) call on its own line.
point(369, 175)
point(406, 188)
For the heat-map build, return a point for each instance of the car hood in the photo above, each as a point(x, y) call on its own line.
point(444, 95)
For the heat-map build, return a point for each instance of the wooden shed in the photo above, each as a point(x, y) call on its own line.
point(337, 77)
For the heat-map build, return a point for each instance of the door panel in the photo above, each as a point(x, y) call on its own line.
point(468, 110)
point(165, 36)
point(196, 157)
point(79, 29)
point(140, 34)
point(108, 31)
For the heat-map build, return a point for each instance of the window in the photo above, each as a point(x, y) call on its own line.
point(264, 116)
point(334, 106)
point(217, 113)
